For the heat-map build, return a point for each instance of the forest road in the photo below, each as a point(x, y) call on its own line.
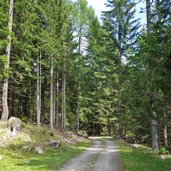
point(101, 156)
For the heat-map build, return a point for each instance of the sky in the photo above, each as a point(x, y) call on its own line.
point(99, 5)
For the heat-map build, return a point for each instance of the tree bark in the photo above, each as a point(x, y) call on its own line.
point(38, 90)
point(64, 95)
point(11, 112)
point(79, 86)
point(51, 95)
point(165, 135)
point(78, 106)
point(54, 105)
point(148, 15)
point(154, 132)
point(54, 97)
point(119, 86)
point(57, 103)
point(5, 110)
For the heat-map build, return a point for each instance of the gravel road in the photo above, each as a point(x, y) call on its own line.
point(102, 156)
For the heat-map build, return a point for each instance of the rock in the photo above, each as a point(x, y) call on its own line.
point(83, 134)
point(162, 157)
point(26, 147)
point(136, 145)
point(14, 121)
point(51, 133)
point(54, 144)
point(14, 130)
point(15, 125)
point(39, 150)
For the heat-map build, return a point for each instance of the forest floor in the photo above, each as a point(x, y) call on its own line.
point(18, 153)
point(102, 156)
point(142, 158)
point(99, 154)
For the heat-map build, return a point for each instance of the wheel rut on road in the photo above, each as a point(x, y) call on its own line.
point(101, 156)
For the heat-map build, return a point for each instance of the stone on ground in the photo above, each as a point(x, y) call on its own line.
point(15, 125)
point(54, 144)
point(39, 150)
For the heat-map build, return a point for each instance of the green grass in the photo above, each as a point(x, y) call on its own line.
point(142, 159)
point(16, 160)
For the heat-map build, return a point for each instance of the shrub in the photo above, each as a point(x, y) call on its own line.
point(168, 148)
point(163, 151)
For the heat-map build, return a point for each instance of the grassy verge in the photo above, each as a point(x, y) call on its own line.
point(142, 159)
point(16, 160)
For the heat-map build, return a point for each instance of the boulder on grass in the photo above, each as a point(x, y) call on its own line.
point(54, 144)
point(14, 124)
point(83, 134)
point(39, 150)
point(163, 157)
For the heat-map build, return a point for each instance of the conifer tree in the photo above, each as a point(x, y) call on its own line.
point(119, 21)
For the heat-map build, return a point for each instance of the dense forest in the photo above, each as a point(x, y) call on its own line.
point(59, 65)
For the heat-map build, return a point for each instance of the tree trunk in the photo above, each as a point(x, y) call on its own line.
point(79, 86)
point(165, 135)
point(154, 132)
point(54, 106)
point(119, 86)
point(64, 96)
point(54, 97)
point(38, 90)
point(119, 104)
point(148, 15)
point(57, 104)
point(43, 108)
point(11, 112)
point(5, 110)
point(51, 95)
point(78, 106)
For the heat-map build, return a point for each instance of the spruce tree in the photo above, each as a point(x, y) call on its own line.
point(119, 21)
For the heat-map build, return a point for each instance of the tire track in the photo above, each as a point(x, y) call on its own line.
point(102, 156)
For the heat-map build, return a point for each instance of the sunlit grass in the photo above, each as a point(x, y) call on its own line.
point(16, 160)
point(142, 159)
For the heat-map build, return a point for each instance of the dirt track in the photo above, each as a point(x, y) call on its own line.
point(102, 156)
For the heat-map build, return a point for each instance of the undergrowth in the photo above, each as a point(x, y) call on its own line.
point(15, 158)
point(52, 159)
point(142, 159)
